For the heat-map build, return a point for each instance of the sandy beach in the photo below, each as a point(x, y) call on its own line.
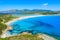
point(21, 18)
point(25, 17)
point(46, 37)
point(4, 34)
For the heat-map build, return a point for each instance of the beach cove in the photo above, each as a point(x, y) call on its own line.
point(35, 24)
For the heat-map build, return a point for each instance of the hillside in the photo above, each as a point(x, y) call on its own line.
point(27, 11)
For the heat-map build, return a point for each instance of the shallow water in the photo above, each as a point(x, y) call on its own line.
point(44, 24)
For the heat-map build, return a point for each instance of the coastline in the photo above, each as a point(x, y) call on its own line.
point(21, 18)
point(46, 37)
point(4, 34)
point(25, 17)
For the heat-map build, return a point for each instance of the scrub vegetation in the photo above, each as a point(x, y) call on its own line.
point(3, 20)
point(23, 37)
point(7, 17)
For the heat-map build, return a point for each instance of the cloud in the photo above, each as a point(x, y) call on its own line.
point(45, 4)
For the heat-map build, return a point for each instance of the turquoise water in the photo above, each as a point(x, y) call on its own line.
point(44, 24)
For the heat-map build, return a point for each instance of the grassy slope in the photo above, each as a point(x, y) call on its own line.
point(6, 18)
point(28, 37)
point(23, 37)
point(3, 19)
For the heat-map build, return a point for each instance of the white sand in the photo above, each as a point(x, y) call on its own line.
point(21, 18)
point(25, 17)
point(46, 37)
point(4, 34)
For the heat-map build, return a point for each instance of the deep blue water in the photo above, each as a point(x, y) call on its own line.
point(44, 24)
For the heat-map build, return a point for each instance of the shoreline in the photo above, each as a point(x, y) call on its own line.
point(25, 17)
point(44, 36)
point(4, 34)
point(21, 18)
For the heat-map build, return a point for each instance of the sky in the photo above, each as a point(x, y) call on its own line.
point(30, 4)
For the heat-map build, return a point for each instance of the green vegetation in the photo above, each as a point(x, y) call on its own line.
point(34, 11)
point(2, 27)
point(42, 13)
point(3, 20)
point(7, 17)
point(38, 11)
point(23, 37)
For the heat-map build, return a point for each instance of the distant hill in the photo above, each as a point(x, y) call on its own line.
point(27, 11)
point(10, 12)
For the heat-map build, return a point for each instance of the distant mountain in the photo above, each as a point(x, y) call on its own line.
point(37, 10)
point(10, 12)
point(23, 11)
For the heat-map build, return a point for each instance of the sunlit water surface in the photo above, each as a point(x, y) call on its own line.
point(45, 24)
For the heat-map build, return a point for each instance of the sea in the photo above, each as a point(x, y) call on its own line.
point(40, 24)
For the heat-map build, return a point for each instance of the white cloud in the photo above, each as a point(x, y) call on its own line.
point(45, 4)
